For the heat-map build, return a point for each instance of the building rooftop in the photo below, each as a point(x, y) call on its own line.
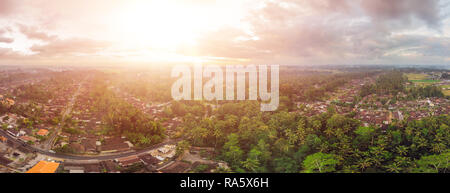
point(42, 132)
point(44, 167)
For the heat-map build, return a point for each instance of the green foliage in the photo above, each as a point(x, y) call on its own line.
point(290, 142)
point(320, 162)
point(285, 165)
point(181, 147)
point(72, 130)
point(424, 92)
point(389, 83)
point(122, 118)
point(65, 149)
point(232, 152)
point(434, 163)
point(200, 168)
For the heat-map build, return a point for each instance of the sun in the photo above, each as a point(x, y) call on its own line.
point(160, 29)
point(160, 24)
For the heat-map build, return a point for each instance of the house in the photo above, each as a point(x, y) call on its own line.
point(110, 166)
point(27, 138)
point(42, 132)
point(83, 168)
point(167, 151)
point(148, 159)
point(73, 139)
point(89, 145)
point(92, 168)
point(3, 139)
point(127, 161)
point(8, 102)
point(44, 167)
point(77, 147)
point(166, 148)
point(114, 145)
point(4, 161)
point(176, 167)
point(74, 169)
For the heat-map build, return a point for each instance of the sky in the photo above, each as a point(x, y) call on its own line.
point(294, 32)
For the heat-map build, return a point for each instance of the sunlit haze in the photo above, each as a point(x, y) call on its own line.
point(227, 32)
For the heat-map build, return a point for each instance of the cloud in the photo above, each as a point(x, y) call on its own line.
point(34, 33)
point(276, 31)
point(6, 7)
point(5, 39)
point(8, 54)
point(326, 31)
point(272, 31)
point(323, 6)
point(421, 45)
point(224, 42)
point(70, 47)
point(403, 10)
point(5, 51)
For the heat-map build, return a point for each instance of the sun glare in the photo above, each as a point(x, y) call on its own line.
point(165, 24)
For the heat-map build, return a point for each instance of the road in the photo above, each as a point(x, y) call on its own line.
point(52, 139)
point(86, 157)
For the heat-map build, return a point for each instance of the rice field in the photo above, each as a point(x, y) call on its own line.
point(425, 81)
point(415, 76)
point(446, 92)
point(420, 79)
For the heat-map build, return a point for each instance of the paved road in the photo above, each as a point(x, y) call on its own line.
point(49, 143)
point(86, 157)
point(52, 138)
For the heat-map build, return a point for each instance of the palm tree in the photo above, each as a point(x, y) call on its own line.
point(283, 145)
point(402, 161)
point(394, 168)
point(144, 140)
point(438, 147)
point(402, 150)
point(251, 164)
point(364, 163)
point(217, 133)
point(329, 132)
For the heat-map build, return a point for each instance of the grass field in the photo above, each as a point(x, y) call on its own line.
point(425, 81)
point(446, 92)
point(420, 79)
point(414, 76)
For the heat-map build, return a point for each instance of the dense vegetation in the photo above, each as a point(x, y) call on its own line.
point(312, 85)
point(251, 141)
point(393, 83)
point(389, 83)
point(123, 119)
point(145, 86)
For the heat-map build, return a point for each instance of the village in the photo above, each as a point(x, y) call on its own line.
point(61, 133)
point(376, 110)
point(23, 145)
